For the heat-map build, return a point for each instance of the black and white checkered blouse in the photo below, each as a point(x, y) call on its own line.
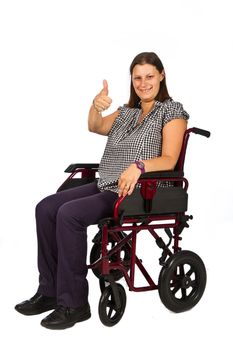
point(128, 141)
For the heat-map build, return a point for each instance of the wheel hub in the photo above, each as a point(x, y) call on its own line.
point(186, 282)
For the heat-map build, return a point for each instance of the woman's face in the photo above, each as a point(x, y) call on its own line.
point(146, 81)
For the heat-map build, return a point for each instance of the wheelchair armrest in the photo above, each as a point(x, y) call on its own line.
point(162, 174)
point(88, 174)
point(73, 167)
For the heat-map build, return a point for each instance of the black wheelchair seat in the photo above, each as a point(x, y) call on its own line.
point(167, 200)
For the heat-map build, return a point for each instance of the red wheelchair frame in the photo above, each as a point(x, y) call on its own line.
point(182, 279)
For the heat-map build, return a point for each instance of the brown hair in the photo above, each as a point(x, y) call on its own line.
point(154, 60)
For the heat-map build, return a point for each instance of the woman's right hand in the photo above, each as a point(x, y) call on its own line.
point(97, 123)
point(102, 101)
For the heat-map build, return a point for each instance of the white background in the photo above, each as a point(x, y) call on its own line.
point(54, 56)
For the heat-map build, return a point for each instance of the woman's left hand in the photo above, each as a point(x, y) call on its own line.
point(128, 180)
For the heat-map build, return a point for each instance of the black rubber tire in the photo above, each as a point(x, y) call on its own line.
point(95, 254)
point(182, 281)
point(108, 313)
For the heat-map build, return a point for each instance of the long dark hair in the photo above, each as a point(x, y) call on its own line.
point(154, 60)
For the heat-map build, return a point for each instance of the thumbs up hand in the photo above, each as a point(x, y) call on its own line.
point(102, 101)
point(104, 91)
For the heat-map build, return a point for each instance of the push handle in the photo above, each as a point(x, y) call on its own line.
point(201, 132)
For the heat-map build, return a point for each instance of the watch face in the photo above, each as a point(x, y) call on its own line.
point(140, 166)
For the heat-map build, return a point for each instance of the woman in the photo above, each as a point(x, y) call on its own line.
point(144, 135)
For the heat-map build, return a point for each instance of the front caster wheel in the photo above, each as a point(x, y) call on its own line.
point(108, 312)
point(182, 281)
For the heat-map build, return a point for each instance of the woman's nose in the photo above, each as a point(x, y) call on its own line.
point(143, 82)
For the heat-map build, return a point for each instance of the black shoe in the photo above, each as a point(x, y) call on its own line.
point(65, 317)
point(36, 305)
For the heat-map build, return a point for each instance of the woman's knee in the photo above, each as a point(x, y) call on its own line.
point(70, 215)
point(46, 206)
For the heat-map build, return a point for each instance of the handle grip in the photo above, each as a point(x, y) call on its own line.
point(201, 132)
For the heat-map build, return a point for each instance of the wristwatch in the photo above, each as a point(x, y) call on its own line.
point(140, 165)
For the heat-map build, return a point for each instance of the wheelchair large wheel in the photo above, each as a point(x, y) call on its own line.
point(108, 312)
point(95, 254)
point(182, 281)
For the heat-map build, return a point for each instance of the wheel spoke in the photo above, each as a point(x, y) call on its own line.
point(193, 284)
point(181, 270)
point(176, 288)
point(184, 294)
point(191, 271)
point(111, 305)
point(108, 303)
point(111, 308)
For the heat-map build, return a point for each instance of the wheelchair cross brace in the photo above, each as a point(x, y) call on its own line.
point(135, 226)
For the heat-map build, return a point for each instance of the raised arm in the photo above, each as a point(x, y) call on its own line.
point(96, 122)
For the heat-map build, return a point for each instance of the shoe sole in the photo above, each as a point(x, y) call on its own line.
point(67, 325)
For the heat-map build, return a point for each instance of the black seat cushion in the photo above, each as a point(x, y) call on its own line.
point(166, 200)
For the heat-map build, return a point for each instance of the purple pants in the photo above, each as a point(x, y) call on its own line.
point(62, 220)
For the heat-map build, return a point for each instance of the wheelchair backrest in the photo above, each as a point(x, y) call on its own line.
point(180, 163)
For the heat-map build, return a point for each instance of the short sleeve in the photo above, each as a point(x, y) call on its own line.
point(174, 110)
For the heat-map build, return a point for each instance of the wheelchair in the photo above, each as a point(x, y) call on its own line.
point(151, 207)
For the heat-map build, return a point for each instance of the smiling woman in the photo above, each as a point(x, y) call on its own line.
point(143, 136)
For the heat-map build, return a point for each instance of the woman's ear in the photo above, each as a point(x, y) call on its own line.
point(162, 75)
